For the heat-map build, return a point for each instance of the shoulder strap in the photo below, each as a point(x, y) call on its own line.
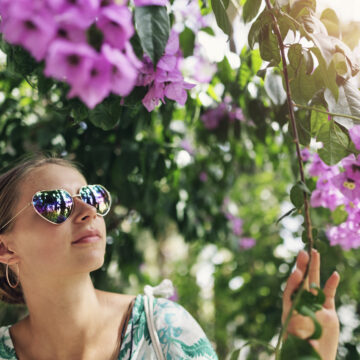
point(149, 311)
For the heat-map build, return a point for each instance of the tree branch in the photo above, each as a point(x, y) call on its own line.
point(302, 175)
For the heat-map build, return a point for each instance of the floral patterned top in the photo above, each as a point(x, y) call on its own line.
point(181, 337)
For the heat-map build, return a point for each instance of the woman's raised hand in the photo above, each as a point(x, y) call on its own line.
point(302, 326)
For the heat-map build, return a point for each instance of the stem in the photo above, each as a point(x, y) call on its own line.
point(327, 112)
point(302, 175)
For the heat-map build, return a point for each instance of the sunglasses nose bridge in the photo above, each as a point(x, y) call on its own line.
point(83, 202)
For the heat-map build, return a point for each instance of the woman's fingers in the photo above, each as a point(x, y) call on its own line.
point(330, 290)
point(314, 271)
point(294, 281)
point(301, 263)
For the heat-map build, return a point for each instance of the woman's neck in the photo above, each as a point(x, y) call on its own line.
point(69, 319)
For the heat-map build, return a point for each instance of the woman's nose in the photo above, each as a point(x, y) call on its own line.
point(83, 210)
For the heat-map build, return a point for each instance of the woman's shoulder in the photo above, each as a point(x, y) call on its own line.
point(180, 335)
point(7, 351)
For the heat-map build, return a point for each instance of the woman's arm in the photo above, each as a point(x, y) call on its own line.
point(302, 326)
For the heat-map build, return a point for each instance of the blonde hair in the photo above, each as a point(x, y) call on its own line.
point(9, 183)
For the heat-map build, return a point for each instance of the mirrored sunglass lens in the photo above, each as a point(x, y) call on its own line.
point(55, 205)
point(97, 196)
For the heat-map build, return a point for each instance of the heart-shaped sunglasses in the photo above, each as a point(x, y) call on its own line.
point(56, 206)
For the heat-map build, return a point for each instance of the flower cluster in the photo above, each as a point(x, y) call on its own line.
point(225, 111)
point(59, 32)
point(166, 79)
point(237, 226)
point(339, 185)
point(87, 44)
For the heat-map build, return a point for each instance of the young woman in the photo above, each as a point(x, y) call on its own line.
point(52, 235)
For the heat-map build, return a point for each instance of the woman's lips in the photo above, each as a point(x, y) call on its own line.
point(88, 240)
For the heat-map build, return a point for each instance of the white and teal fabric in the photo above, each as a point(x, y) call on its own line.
point(181, 337)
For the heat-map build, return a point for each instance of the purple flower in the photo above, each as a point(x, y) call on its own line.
point(354, 133)
point(185, 144)
point(81, 13)
point(246, 243)
point(305, 154)
point(203, 176)
point(153, 96)
point(318, 167)
point(352, 167)
point(203, 70)
point(124, 70)
point(212, 117)
point(176, 91)
point(329, 198)
point(236, 114)
point(71, 32)
point(116, 24)
point(150, 2)
point(97, 85)
point(167, 79)
point(70, 62)
point(347, 234)
point(24, 23)
point(237, 224)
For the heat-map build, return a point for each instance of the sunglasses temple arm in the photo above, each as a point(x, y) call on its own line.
point(14, 217)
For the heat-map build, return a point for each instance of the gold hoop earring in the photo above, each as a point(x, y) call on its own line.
point(7, 277)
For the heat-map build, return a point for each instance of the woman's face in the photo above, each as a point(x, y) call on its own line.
point(46, 249)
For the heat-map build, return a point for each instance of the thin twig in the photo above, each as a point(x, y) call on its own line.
point(305, 107)
point(302, 175)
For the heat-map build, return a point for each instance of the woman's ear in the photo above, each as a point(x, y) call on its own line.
point(7, 256)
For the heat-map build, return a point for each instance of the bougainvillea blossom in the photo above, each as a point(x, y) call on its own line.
point(151, 2)
point(166, 79)
point(246, 243)
point(116, 25)
point(224, 111)
point(97, 84)
point(26, 25)
point(354, 133)
point(124, 69)
point(70, 62)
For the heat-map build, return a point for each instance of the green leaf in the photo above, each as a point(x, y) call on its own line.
point(106, 115)
point(297, 196)
point(285, 24)
point(187, 41)
point(335, 143)
point(256, 61)
point(251, 9)
point(295, 56)
point(306, 311)
point(326, 73)
point(245, 74)
point(302, 8)
point(263, 19)
point(295, 348)
point(269, 46)
point(317, 120)
point(225, 72)
point(303, 86)
point(221, 16)
point(340, 64)
point(307, 56)
point(339, 215)
point(153, 28)
point(274, 88)
point(348, 103)
point(331, 21)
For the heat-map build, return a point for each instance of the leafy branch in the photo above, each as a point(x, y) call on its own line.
point(302, 175)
